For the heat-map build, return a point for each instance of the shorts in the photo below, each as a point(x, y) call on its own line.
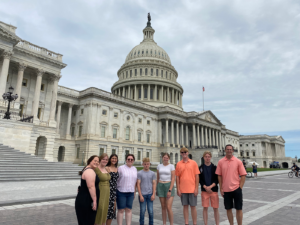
point(233, 199)
point(162, 190)
point(254, 171)
point(213, 197)
point(188, 199)
point(124, 199)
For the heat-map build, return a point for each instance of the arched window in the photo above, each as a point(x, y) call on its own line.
point(130, 73)
point(135, 72)
point(156, 72)
point(142, 52)
point(151, 72)
point(141, 72)
point(162, 73)
point(146, 71)
point(138, 52)
point(127, 133)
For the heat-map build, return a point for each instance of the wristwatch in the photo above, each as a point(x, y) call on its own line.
point(170, 191)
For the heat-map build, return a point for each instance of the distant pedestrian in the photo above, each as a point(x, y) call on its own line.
point(187, 182)
point(112, 168)
point(165, 187)
point(209, 187)
point(229, 171)
point(88, 193)
point(126, 187)
point(254, 170)
point(104, 188)
point(146, 184)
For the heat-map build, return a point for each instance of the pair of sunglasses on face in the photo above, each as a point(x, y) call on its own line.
point(130, 159)
point(184, 152)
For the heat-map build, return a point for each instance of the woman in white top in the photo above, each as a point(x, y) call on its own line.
point(165, 187)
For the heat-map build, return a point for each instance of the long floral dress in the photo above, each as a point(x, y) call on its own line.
point(111, 214)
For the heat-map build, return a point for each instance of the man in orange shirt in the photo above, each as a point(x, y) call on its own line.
point(187, 182)
point(229, 171)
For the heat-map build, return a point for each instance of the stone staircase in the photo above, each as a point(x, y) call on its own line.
point(20, 166)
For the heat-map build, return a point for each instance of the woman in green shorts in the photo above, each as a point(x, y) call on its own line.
point(165, 187)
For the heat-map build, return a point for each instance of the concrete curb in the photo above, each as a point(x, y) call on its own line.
point(37, 200)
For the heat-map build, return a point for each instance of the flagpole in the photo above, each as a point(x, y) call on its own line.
point(203, 97)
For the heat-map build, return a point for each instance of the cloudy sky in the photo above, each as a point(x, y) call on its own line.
point(245, 53)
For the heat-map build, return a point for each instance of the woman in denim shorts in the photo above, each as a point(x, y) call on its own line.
point(165, 187)
point(126, 189)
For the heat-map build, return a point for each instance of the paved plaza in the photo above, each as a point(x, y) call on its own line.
point(267, 200)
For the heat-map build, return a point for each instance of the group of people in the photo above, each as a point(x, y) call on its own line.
point(105, 187)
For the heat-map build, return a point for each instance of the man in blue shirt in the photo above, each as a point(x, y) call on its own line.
point(209, 187)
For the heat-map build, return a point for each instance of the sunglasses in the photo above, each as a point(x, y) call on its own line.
point(183, 152)
point(130, 159)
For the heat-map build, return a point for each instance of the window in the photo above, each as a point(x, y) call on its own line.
point(140, 93)
point(135, 72)
point(74, 113)
point(81, 111)
point(148, 154)
point(139, 136)
point(140, 120)
point(128, 118)
point(77, 152)
point(162, 73)
point(42, 87)
point(102, 131)
point(148, 138)
point(127, 133)
point(101, 151)
point(126, 74)
point(156, 72)
point(115, 133)
point(241, 145)
point(148, 122)
point(39, 113)
point(139, 155)
point(21, 109)
point(115, 115)
point(73, 131)
point(151, 72)
point(104, 112)
point(253, 153)
point(151, 93)
point(247, 145)
point(141, 72)
point(126, 153)
point(145, 92)
point(113, 151)
point(247, 153)
point(146, 72)
point(130, 73)
point(166, 74)
point(252, 144)
point(24, 83)
point(79, 131)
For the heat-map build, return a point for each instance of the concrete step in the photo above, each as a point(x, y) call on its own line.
point(37, 178)
point(45, 168)
point(39, 175)
point(31, 173)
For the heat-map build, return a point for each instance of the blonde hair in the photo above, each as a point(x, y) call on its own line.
point(103, 156)
point(207, 152)
point(184, 150)
point(254, 164)
point(146, 160)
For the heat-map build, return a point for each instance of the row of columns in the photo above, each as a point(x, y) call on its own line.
point(202, 136)
point(160, 93)
point(39, 72)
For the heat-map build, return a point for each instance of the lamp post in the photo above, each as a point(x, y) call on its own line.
point(82, 158)
point(9, 97)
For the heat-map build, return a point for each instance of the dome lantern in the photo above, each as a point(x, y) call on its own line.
point(148, 32)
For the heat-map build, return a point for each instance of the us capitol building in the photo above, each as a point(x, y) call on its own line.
point(142, 114)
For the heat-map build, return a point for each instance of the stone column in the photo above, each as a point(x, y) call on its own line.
point(213, 137)
point(142, 92)
point(180, 99)
point(220, 140)
point(210, 139)
point(135, 93)
point(202, 138)
point(198, 136)
point(162, 94)
point(4, 71)
point(194, 136)
point(159, 132)
point(18, 88)
point(177, 133)
point(187, 134)
point(148, 94)
point(129, 92)
point(217, 137)
point(59, 103)
point(155, 93)
point(168, 95)
point(167, 132)
point(206, 137)
point(173, 96)
point(172, 133)
point(52, 122)
point(68, 136)
point(37, 92)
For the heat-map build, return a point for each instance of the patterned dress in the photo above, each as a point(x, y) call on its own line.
point(111, 214)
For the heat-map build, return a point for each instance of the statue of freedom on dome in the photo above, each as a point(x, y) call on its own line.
point(149, 17)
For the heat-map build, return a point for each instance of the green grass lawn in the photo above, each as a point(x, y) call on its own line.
point(265, 169)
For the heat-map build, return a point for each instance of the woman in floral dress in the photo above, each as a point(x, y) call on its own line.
point(112, 168)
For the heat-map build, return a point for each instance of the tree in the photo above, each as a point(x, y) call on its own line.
point(298, 160)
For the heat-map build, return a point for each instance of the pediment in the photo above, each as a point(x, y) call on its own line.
point(280, 138)
point(210, 117)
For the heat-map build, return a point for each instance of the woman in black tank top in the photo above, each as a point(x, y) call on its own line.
point(88, 194)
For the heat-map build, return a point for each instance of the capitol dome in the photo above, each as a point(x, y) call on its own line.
point(148, 75)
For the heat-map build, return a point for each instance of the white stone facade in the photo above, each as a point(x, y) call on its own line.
point(143, 115)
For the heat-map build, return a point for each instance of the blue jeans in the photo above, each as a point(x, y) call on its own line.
point(149, 203)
